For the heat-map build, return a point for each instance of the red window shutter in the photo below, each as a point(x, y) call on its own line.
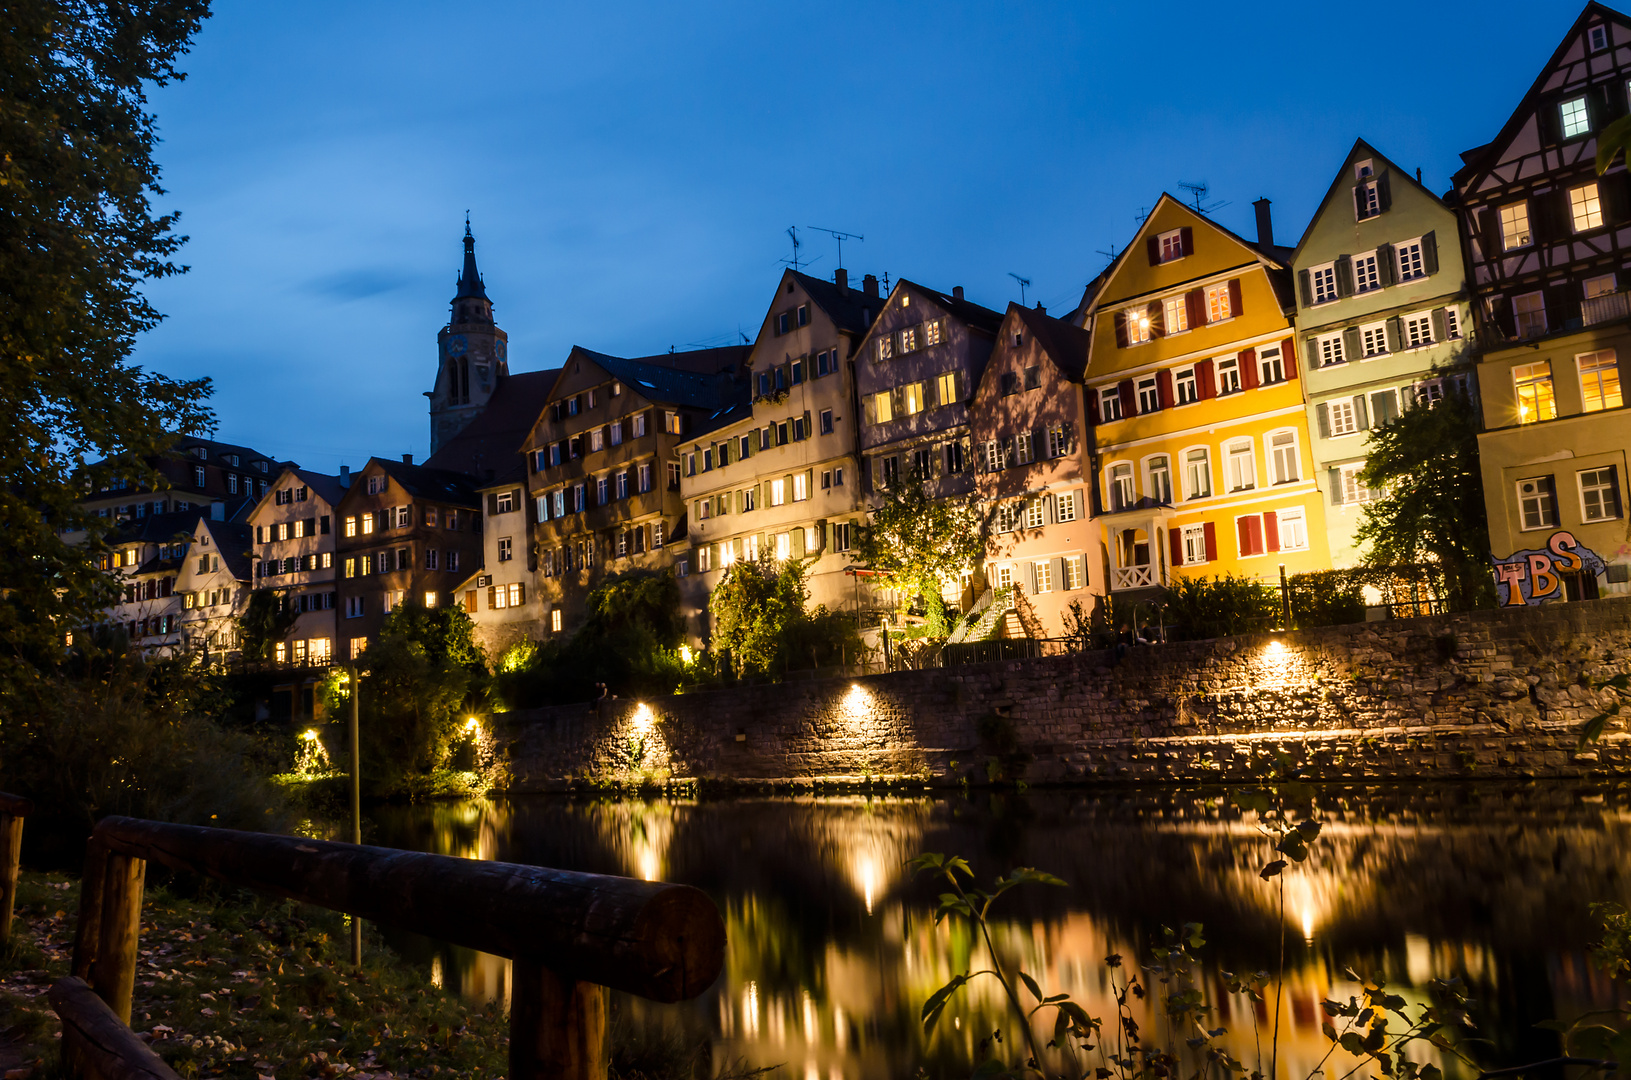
point(1235, 308)
point(1163, 386)
point(1158, 319)
point(1093, 403)
point(1186, 237)
point(1211, 541)
point(1129, 399)
point(1205, 384)
point(1243, 535)
point(1288, 357)
point(1248, 369)
point(1195, 304)
point(1154, 246)
point(1176, 537)
point(1254, 526)
point(1271, 530)
point(1120, 320)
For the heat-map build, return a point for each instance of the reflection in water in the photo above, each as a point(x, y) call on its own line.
point(832, 948)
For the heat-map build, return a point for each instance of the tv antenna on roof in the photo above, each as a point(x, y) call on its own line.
point(1109, 256)
point(1024, 283)
point(840, 236)
point(1198, 193)
point(792, 230)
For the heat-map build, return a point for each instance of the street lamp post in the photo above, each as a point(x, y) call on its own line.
point(356, 799)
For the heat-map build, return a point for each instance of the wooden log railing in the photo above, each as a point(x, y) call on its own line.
point(570, 935)
point(13, 809)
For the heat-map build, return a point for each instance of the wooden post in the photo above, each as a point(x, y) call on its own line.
point(11, 850)
point(95, 1044)
point(113, 975)
point(557, 1025)
point(88, 932)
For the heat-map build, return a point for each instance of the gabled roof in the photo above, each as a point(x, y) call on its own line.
point(327, 488)
point(975, 315)
point(233, 540)
point(849, 308)
point(488, 449)
point(424, 482)
point(1478, 159)
point(663, 383)
point(1344, 178)
point(1065, 343)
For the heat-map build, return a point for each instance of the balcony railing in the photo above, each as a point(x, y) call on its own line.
point(1602, 309)
point(1133, 577)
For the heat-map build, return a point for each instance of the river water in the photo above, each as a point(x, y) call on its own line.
point(832, 947)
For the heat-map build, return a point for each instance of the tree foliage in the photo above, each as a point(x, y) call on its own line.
point(1432, 509)
point(915, 541)
point(262, 625)
point(760, 619)
point(78, 237)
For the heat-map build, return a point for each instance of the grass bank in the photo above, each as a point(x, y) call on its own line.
point(231, 984)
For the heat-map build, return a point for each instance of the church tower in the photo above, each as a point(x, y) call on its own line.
point(471, 352)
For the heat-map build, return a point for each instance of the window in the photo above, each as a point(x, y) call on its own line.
point(914, 398)
point(1034, 517)
point(1409, 260)
point(886, 346)
point(1537, 503)
point(1043, 571)
point(505, 547)
point(1344, 417)
point(883, 407)
point(1175, 314)
point(1367, 276)
point(1599, 380)
point(931, 333)
point(555, 620)
point(922, 461)
point(430, 516)
point(597, 440)
point(1533, 383)
point(1514, 225)
point(1064, 507)
point(1599, 494)
point(657, 534)
point(376, 484)
point(1185, 386)
point(1138, 325)
point(804, 314)
point(908, 339)
point(638, 428)
point(354, 606)
point(1271, 366)
point(778, 492)
point(1229, 375)
point(1574, 117)
point(1058, 441)
point(1149, 395)
point(1249, 535)
point(1160, 478)
point(1172, 245)
point(1599, 38)
point(1121, 486)
point(232, 484)
point(1197, 473)
point(1240, 467)
point(1007, 517)
point(351, 526)
point(1073, 572)
point(1109, 405)
point(1585, 207)
point(798, 372)
point(1373, 340)
point(673, 476)
point(801, 486)
point(602, 490)
point(1283, 457)
point(623, 484)
point(1417, 330)
point(1218, 304)
point(671, 422)
point(1194, 538)
point(946, 389)
point(1323, 282)
point(1005, 577)
point(1328, 349)
point(1293, 527)
point(1353, 491)
point(1367, 199)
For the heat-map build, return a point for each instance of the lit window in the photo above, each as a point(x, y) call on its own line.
point(1599, 494)
point(931, 333)
point(555, 620)
point(883, 407)
point(351, 526)
point(1138, 325)
point(597, 439)
point(1293, 530)
point(1175, 313)
point(1367, 277)
point(1121, 486)
point(1574, 117)
point(886, 347)
point(1529, 314)
point(1329, 350)
point(778, 492)
point(801, 487)
point(1197, 473)
point(1585, 207)
point(908, 339)
point(1323, 281)
point(1185, 386)
point(1515, 225)
point(946, 388)
point(1599, 380)
point(1283, 457)
point(1410, 261)
point(1537, 503)
point(1218, 306)
point(1240, 467)
point(914, 398)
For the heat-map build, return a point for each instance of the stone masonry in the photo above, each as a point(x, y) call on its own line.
point(1487, 694)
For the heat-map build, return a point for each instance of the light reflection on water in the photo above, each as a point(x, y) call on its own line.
point(832, 950)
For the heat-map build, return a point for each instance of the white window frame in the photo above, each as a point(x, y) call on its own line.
point(1586, 207)
point(1186, 388)
point(1064, 507)
point(1194, 542)
point(1189, 466)
point(1109, 403)
point(1043, 570)
point(1416, 330)
point(1574, 119)
point(1342, 417)
point(1514, 222)
point(1174, 315)
point(1137, 321)
point(1148, 392)
point(1373, 334)
point(1035, 516)
point(1292, 519)
point(1546, 514)
point(1526, 322)
point(1227, 374)
point(1276, 449)
point(1409, 263)
point(1158, 482)
point(1329, 350)
point(1605, 363)
point(1367, 274)
point(1322, 283)
point(1611, 488)
point(1171, 245)
point(1354, 492)
point(1240, 463)
point(1120, 488)
point(1218, 306)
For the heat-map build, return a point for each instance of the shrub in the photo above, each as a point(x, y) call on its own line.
point(1199, 608)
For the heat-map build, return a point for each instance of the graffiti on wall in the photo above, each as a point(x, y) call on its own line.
point(1535, 575)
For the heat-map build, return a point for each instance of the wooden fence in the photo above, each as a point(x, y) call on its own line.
point(13, 809)
point(570, 935)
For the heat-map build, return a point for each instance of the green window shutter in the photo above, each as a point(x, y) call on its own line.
point(1350, 343)
point(1345, 276)
point(1384, 264)
point(1382, 406)
point(1407, 395)
point(1429, 252)
point(797, 538)
point(1304, 286)
point(1334, 481)
point(1324, 413)
point(1441, 328)
point(1384, 193)
point(1395, 334)
point(1361, 413)
point(1311, 353)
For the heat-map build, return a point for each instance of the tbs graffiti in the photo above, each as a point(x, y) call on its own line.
point(1534, 576)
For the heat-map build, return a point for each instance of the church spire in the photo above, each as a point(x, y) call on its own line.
point(470, 283)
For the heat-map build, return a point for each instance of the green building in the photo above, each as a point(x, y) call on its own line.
point(1382, 313)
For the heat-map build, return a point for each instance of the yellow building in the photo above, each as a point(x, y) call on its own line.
point(1201, 447)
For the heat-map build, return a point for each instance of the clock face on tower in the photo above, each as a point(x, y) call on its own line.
point(498, 347)
point(456, 345)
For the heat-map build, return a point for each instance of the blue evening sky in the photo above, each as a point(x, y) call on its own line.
point(631, 169)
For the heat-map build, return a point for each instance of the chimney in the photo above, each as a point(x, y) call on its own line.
point(407, 459)
point(957, 292)
point(840, 278)
point(869, 285)
point(345, 476)
point(1265, 224)
point(1040, 308)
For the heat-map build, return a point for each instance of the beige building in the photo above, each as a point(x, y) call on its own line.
point(778, 476)
point(293, 531)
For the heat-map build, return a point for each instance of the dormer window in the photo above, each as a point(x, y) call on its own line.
point(201, 452)
point(1363, 169)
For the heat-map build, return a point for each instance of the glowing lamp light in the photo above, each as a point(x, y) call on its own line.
point(310, 734)
point(643, 717)
point(686, 654)
point(471, 724)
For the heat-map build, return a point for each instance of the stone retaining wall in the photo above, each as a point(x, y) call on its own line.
point(1501, 693)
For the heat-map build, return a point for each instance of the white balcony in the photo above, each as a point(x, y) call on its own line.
point(1132, 577)
point(1602, 309)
